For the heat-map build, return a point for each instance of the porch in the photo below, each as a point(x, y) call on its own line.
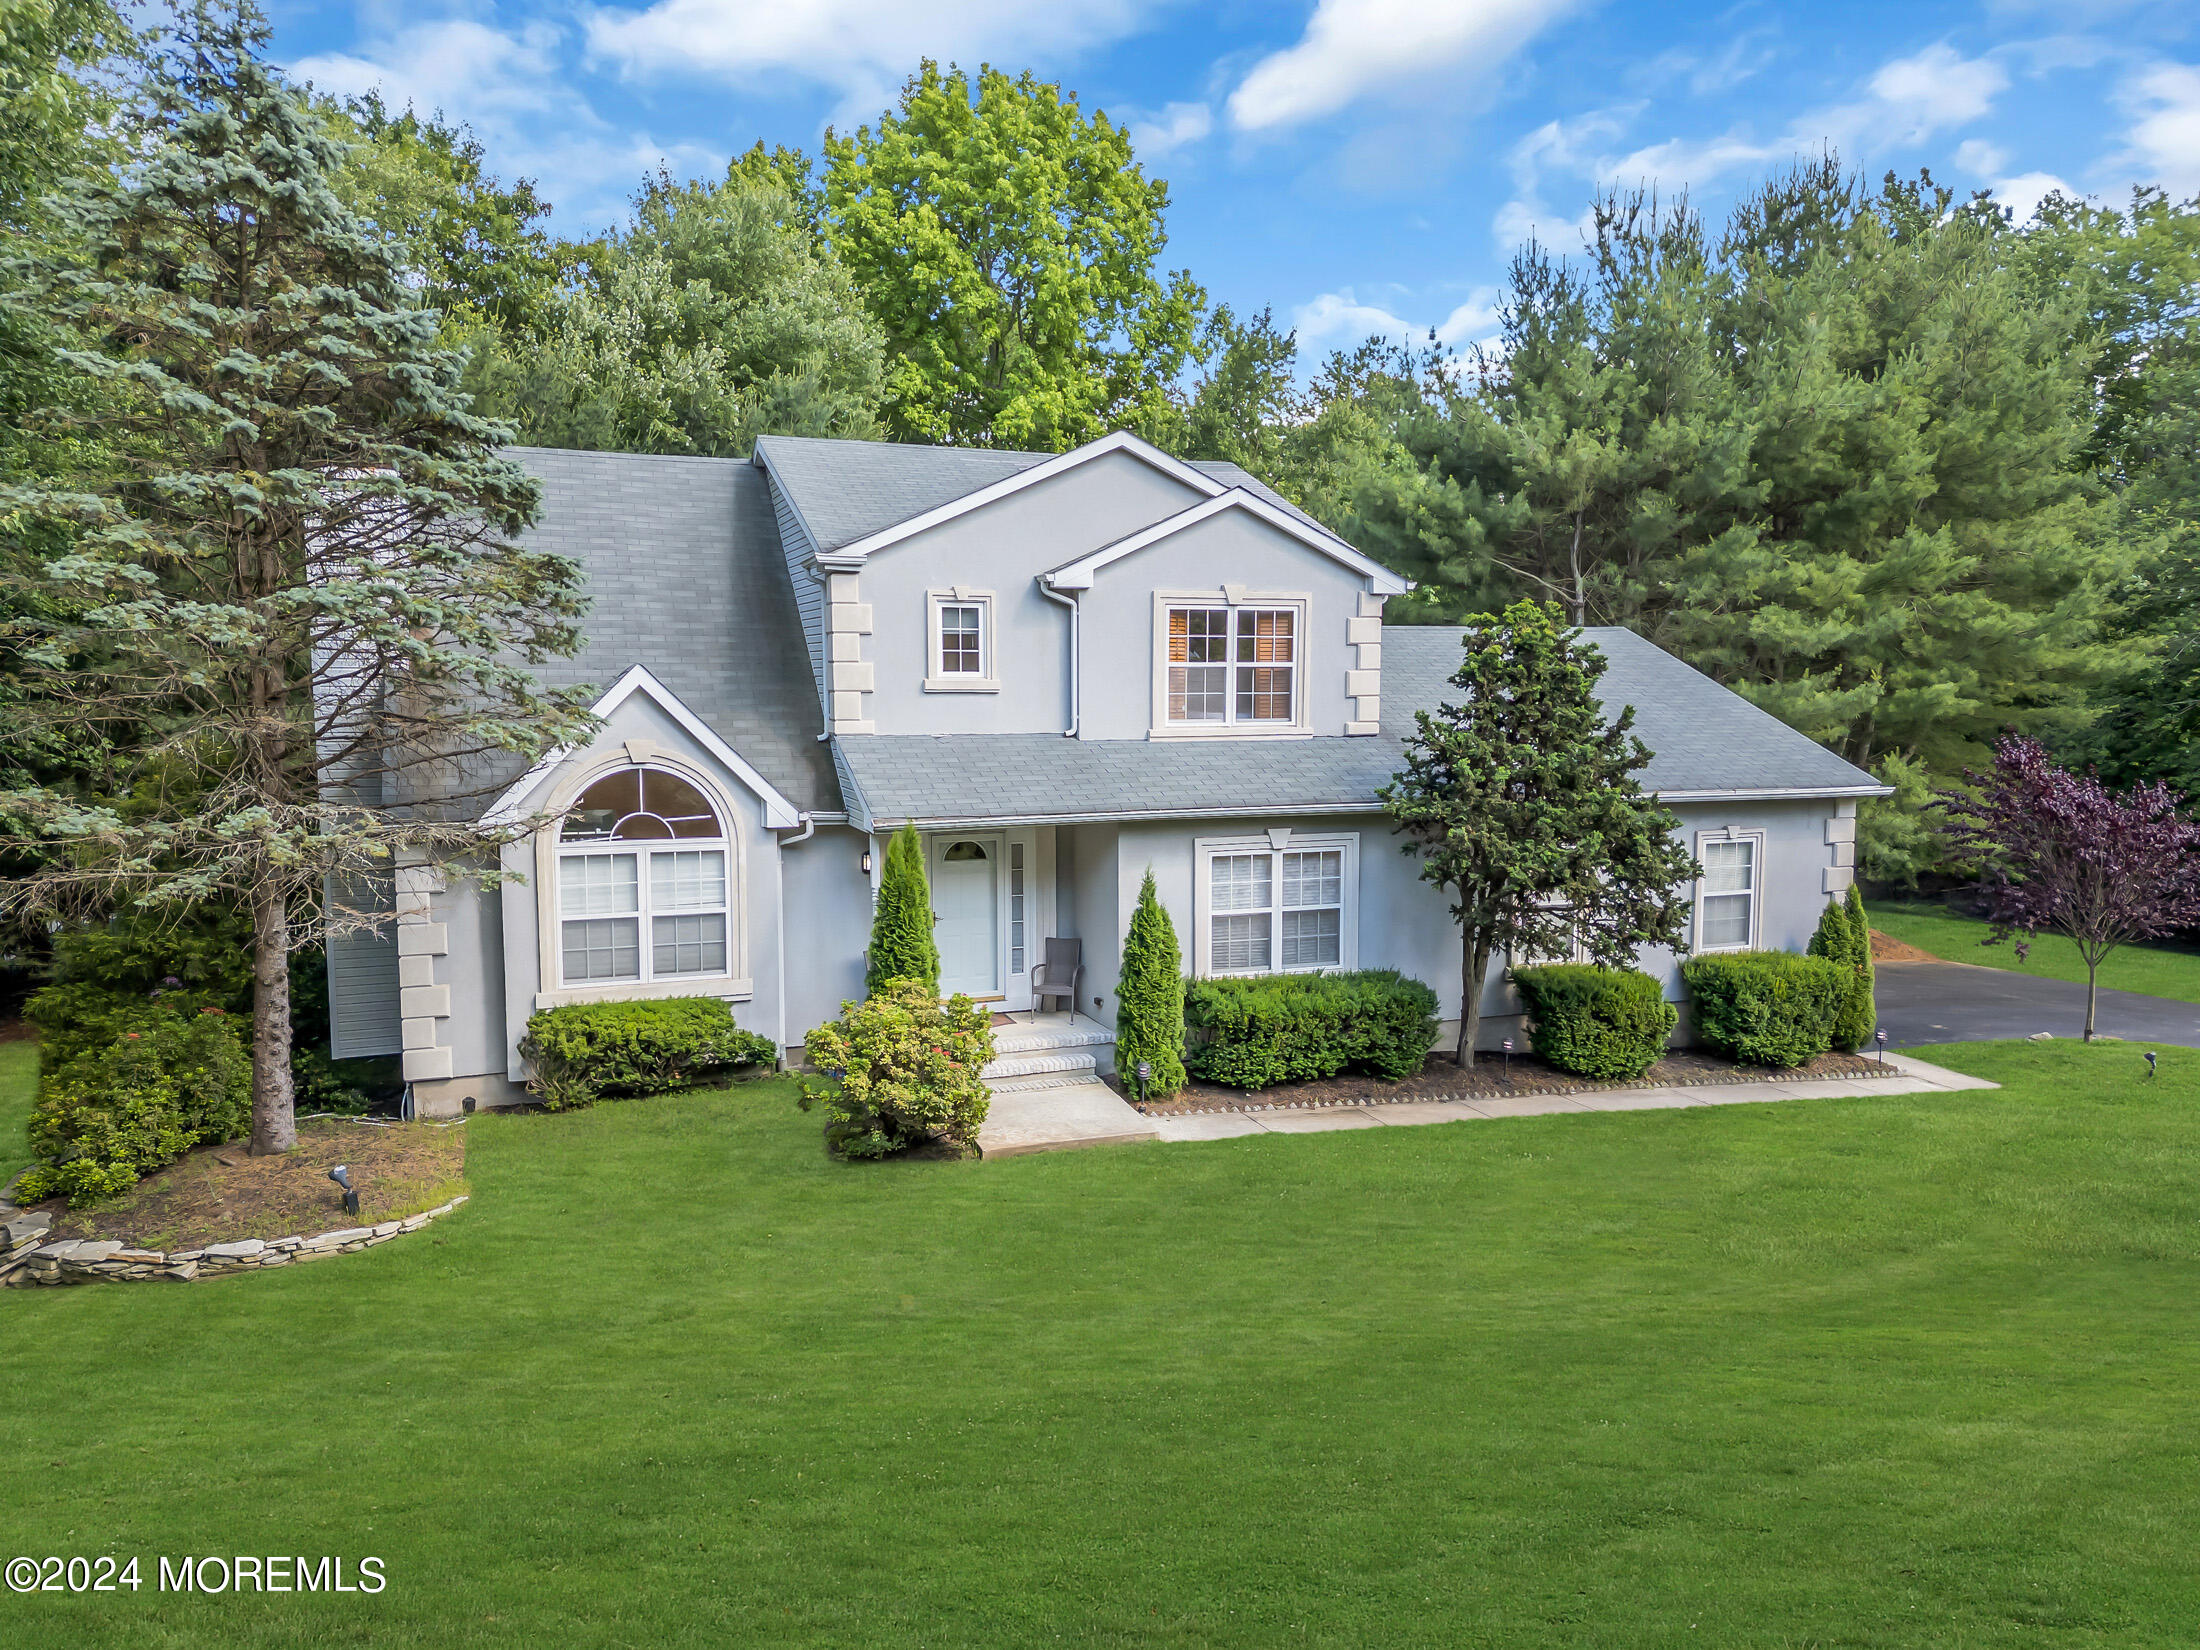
point(1047, 1093)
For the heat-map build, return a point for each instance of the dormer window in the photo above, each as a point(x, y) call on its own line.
point(1233, 665)
point(959, 641)
point(628, 910)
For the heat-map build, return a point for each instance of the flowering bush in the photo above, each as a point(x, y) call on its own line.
point(115, 1114)
point(907, 1070)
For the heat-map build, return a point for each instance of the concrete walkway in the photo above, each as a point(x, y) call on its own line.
point(1916, 1077)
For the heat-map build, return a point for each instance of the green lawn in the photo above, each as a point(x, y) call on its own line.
point(1878, 1372)
point(18, 1087)
point(2159, 971)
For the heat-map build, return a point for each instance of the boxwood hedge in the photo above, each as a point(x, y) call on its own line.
point(1597, 1022)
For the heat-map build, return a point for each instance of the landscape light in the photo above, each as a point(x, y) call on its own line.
point(2150, 1062)
point(1508, 1059)
point(341, 1174)
point(1881, 1034)
point(1145, 1076)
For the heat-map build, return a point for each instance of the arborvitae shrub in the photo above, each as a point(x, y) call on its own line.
point(1149, 998)
point(902, 947)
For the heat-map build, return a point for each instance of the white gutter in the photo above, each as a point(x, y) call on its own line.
point(779, 886)
point(1076, 680)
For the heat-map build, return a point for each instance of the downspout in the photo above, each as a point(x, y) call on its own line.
point(779, 881)
point(1069, 601)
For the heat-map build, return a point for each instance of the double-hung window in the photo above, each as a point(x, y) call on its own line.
point(1233, 665)
point(1265, 909)
point(959, 642)
point(1726, 899)
point(642, 891)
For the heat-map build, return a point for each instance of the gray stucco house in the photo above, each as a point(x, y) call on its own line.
point(1064, 669)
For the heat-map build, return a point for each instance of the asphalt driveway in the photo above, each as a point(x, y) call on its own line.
point(1945, 1002)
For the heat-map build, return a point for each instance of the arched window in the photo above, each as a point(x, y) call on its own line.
point(635, 913)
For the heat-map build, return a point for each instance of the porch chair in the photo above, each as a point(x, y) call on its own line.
point(1059, 974)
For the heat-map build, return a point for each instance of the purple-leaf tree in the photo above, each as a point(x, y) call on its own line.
point(2060, 853)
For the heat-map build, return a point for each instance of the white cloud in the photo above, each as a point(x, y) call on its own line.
point(1339, 320)
point(1176, 126)
point(512, 90)
point(1568, 148)
point(2022, 194)
point(2164, 142)
point(1905, 102)
point(861, 49)
point(1980, 158)
point(1354, 49)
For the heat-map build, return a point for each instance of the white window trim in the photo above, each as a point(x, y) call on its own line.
point(988, 679)
point(1233, 597)
point(1729, 833)
point(1278, 842)
point(735, 984)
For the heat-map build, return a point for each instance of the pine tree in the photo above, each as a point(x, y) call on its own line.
point(1149, 998)
point(292, 608)
point(1864, 998)
point(1521, 800)
point(902, 947)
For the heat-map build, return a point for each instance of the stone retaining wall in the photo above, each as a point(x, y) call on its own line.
point(24, 1260)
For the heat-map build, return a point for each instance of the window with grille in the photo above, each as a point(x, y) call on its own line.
point(614, 887)
point(962, 630)
point(1276, 911)
point(959, 656)
point(1726, 899)
point(1233, 664)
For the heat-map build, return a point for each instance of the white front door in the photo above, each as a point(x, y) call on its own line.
point(966, 908)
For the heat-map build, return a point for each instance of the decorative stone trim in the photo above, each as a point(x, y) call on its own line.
point(1700, 1080)
point(1363, 683)
point(84, 1260)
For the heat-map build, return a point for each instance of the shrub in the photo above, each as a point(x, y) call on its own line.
point(584, 1052)
point(1860, 1016)
point(1844, 940)
point(113, 1115)
point(1279, 1028)
point(1149, 997)
point(1597, 1022)
point(902, 947)
point(907, 1071)
point(1765, 1008)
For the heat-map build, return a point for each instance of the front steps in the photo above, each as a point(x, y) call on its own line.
point(1053, 1051)
point(1047, 1092)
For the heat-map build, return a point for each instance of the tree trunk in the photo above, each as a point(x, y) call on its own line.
point(274, 1117)
point(1474, 969)
point(1573, 561)
point(2092, 995)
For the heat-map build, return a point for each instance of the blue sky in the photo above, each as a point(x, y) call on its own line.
point(1361, 165)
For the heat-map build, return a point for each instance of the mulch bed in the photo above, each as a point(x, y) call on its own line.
point(219, 1194)
point(1490, 1078)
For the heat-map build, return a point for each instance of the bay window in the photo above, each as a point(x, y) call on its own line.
point(630, 910)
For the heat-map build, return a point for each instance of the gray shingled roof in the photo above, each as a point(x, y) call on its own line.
point(688, 580)
point(848, 490)
point(1705, 739)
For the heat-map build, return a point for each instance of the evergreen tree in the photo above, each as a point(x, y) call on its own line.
point(1838, 940)
point(291, 606)
point(1864, 999)
point(1521, 800)
point(1149, 998)
point(902, 947)
point(1007, 243)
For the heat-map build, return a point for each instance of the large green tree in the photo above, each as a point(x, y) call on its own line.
point(1519, 796)
point(292, 589)
point(714, 317)
point(1009, 244)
